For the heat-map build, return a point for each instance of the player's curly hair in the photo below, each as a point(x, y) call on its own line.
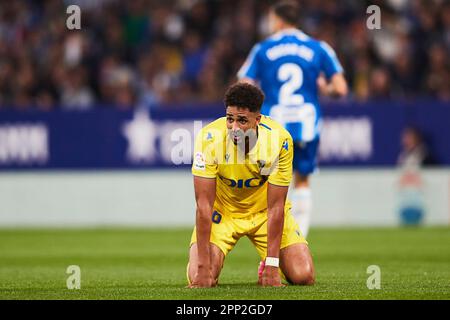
point(244, 95)
point(288, 11)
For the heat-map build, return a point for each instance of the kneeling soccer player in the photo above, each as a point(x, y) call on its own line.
point(242, 169)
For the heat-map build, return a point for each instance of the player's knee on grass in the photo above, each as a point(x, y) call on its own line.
point(297, 265)
point(302, 277)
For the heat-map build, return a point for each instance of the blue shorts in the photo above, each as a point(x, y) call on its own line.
point(305, 157)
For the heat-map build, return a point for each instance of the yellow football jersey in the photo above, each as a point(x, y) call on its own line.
point(241, 179)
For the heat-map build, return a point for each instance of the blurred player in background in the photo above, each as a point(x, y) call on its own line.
point(292, 69)
point(245, 198)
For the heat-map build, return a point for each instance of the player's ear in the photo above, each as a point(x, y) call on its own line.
point(258, 118)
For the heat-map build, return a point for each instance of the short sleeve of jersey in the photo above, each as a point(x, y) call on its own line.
point(252, 65)
point(330, 64)
point(204, 163)
point(282, 175)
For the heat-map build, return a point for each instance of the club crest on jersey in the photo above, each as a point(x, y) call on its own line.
point(227, 157)
point(209, 136)
point(286, 145)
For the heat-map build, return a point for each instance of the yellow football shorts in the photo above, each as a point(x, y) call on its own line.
point(226, 230)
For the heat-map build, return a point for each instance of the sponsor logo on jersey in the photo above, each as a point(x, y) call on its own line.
point(244, 183)
point(199, 161)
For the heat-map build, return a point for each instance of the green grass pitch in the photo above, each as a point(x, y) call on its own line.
point(151, 264)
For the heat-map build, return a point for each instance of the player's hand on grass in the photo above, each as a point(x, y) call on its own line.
point(203, 279)
point(270, 277)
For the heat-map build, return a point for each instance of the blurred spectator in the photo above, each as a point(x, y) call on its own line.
point(412, 158)
point(193, 58)
point(153, 53)
point(414, 153)
point(403, 75)
point(45, 100)
point(438, 78)
point(380, 86)
point(75, 94)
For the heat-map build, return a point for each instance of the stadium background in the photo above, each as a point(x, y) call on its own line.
point(96, 125)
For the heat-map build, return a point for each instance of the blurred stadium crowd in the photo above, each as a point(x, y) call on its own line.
point(155, 53)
